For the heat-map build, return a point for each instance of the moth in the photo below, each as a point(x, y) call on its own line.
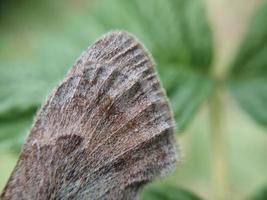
point(103, 133)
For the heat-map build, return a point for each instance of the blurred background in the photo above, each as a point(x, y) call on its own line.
point(212, 59)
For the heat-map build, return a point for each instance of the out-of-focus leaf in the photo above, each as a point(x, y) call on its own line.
point(13, 132)
point(8, 161)
point(14, 126)
point(182, 87)
point(25, 81)
point(260, 195)
point(249, 69)
point(161, 191)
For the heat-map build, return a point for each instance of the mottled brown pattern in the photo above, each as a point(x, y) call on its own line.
point(103, 133)
point(68, 143)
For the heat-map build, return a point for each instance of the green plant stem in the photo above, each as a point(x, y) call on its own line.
point(218, 147)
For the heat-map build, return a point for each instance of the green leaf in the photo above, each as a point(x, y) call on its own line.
point(13, 132)
point(14, 126)
point(186, 92)
point(8, 161)
point(249, 70)
point(26, 80)
point(260, 195)
point(159, 191)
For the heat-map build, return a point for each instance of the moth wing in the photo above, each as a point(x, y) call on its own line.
point(105, 130)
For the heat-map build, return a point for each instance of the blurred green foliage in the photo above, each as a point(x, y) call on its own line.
point(261, 195)
point(249, 69)
point(159, 191)
point(40, 41)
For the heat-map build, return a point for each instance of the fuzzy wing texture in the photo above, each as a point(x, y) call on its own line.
point(103, 133)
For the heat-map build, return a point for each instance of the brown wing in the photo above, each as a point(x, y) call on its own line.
point(105, 131)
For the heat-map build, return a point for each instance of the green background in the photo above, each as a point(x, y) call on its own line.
point(203, 49)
